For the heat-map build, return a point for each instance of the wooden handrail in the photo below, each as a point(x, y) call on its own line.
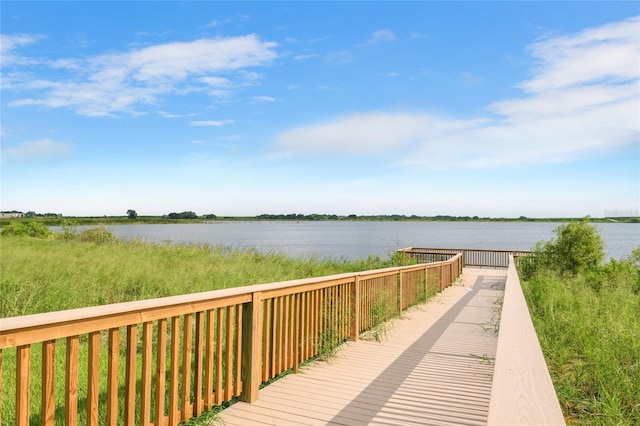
point(199, 350)
point(471, 257)
point(522, 392)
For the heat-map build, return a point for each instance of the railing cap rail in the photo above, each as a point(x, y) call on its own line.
point(460, 250)
point(522, 392)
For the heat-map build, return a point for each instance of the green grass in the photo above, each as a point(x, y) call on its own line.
point(52, 274)
point(589, 329)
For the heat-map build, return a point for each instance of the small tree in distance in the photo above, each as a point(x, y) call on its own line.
point(132, 214)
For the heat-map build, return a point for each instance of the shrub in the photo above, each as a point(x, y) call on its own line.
point(29, 228)
point(99, 235)
point(577, 247)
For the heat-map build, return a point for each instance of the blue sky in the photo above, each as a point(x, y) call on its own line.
point(243, 108)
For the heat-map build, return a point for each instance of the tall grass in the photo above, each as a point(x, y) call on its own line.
point(589, 329)
point(44, 275)
point(73, 270)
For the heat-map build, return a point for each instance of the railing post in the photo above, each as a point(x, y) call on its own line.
point(251, 347)
point(426, 279)
point(355, 310)
point(399, 294)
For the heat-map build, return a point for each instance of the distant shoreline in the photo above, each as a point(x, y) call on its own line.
point(57, 220)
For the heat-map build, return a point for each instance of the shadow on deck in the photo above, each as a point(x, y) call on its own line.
point(435, 367)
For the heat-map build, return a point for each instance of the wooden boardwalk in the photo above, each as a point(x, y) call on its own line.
point(434, 367)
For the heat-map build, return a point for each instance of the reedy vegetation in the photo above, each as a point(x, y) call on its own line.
point(587, 317)
point(44, 271)
point(72, 269)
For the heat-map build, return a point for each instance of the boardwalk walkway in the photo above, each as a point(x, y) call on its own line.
point(435, 367)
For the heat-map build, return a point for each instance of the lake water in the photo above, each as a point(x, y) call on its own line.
point(358, 240)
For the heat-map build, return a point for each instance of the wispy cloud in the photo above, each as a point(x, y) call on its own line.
point(365, 133)
point(173, 115)
point(37, 150)
point(305, 56)
point(415, 35)
point(381, 36)
point(10, 43)
point(264, 99)
point(339, 57)
point(121, 82)
point(210, 123)
point(582, 99)
point(217, 23)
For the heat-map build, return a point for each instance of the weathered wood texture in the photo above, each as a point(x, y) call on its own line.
point(522, 391)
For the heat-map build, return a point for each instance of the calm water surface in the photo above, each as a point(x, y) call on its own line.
point(358, 240)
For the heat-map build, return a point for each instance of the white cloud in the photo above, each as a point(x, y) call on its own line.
point(367, 133)
point(264, 99)
point(9, 43)
point(610, 52)
point(215, 81)
point(121, 82)
point(38, 149)
point(305, 56)
point(582, 99)
point(173, 115)
point(381, 36)
point(210, 123)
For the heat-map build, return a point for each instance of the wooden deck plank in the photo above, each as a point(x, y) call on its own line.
point(434, 367)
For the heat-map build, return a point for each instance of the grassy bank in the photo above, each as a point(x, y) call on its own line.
point(588, 324)
point(43, 275)
point(72, 270)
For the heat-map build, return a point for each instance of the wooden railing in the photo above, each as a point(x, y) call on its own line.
point(471, 257)
point(522, 392)
point(163, 361)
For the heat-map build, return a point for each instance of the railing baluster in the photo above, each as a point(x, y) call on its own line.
point(266, 331)
point(187, 333)
point(296, 331)
point(287, 333)
point(208, 383)
point(161, 369)
point(23, 361)
point(145, 406)
point(278, 345)
point(71, 382)
point(47, 405)
point(251, 327)
point(219, 374)
point(228, 387)
point(174, 411)
point(238, 353)
point(112, 374)
point(130, 379)
point(197, 384)
point(93, 375)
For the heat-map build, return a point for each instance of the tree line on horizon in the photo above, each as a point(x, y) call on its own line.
point(132, 215)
